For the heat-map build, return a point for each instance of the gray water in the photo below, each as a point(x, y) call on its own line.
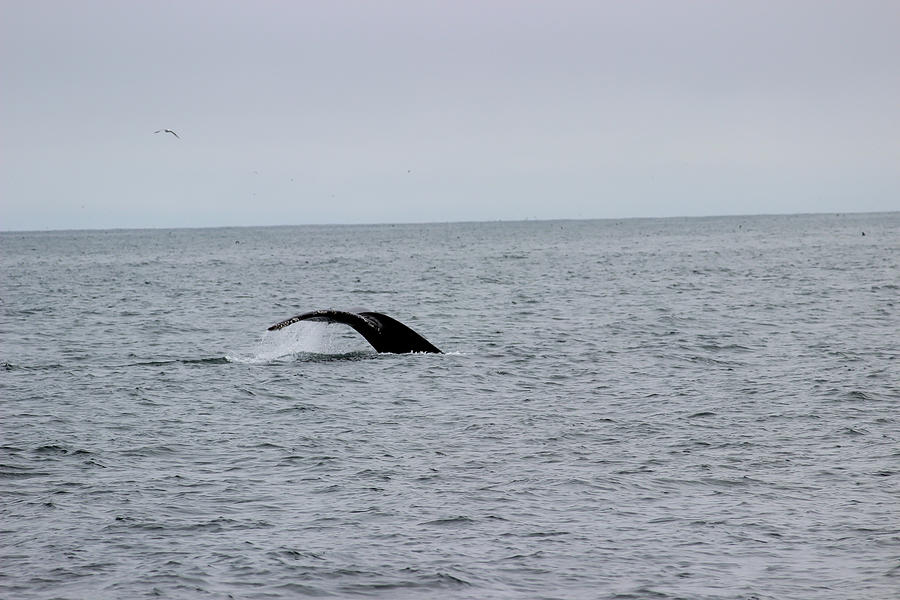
point(676, 408)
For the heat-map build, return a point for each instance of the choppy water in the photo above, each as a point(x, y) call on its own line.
point(679, 408)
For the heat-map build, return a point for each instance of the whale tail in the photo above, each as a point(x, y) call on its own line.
point(384, 333)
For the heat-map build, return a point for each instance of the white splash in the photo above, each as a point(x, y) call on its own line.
point(302, 338)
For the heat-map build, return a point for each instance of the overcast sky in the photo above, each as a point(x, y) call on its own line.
point(294, 112)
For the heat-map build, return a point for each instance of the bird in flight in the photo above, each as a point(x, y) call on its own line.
point(167, 131)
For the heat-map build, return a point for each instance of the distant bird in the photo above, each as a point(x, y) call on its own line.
point(167, 131)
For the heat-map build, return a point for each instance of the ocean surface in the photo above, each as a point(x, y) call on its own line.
point(697, 408)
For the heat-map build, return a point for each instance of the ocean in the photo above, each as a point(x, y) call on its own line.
point(697, 408)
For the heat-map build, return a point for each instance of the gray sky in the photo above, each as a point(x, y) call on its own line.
point(296, 112)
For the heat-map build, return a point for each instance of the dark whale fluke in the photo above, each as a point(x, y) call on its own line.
point(384, 333)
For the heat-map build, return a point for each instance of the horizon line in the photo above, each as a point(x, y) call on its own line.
point(459, 222)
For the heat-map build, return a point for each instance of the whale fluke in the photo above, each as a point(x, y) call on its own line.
point(383, 332)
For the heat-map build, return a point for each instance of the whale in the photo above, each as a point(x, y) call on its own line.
point(384, 333)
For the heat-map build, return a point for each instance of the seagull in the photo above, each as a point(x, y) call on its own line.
point(167, 131)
